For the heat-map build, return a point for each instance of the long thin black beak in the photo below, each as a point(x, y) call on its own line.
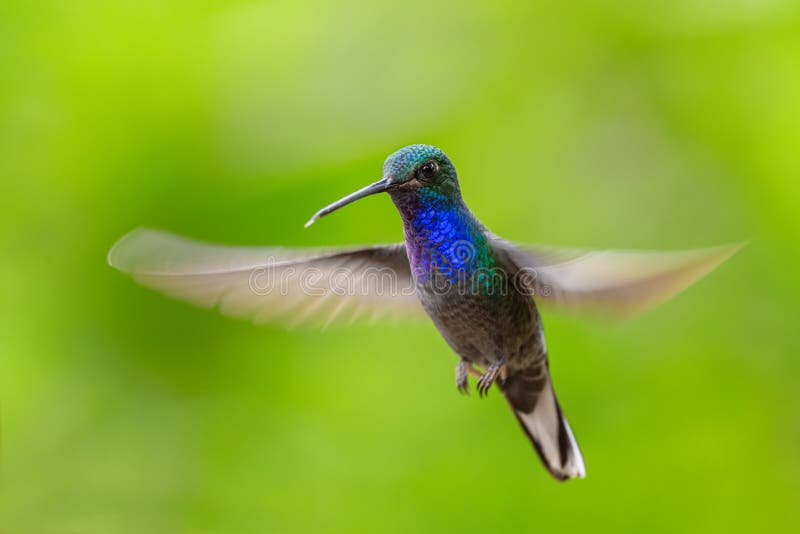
point(378, 187)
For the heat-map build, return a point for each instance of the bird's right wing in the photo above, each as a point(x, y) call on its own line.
point(618, 283)
point(289, 285)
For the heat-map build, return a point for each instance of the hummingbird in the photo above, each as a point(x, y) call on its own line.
point(481, 292)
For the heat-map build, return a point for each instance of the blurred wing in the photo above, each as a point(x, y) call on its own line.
point(618, 282)
point(267, 283)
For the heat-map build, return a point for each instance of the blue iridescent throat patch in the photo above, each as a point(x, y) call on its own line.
point(449, 242)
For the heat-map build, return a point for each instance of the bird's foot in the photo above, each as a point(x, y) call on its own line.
point(487, 378)
point(463, 370)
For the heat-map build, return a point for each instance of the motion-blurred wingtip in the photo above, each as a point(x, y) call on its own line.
point(727, 251)
point(115, 253)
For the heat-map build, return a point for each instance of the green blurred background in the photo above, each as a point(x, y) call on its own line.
point(607, 124)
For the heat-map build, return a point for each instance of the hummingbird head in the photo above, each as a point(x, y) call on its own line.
point(409, 170)
point(420, 166)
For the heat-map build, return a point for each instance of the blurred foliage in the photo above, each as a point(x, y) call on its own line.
point(604, 124)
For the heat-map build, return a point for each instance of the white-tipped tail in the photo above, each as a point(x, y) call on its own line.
point(540, 416)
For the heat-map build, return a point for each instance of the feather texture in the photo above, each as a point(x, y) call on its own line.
point(289, 285)
point(302, 285)
point(619, 283)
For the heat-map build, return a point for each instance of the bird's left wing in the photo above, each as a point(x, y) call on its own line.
point(618, 283)
point(289, 285)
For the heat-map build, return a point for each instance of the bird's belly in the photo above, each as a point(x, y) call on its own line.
point(484, 329)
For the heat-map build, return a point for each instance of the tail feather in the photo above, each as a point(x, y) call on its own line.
point(531, 396)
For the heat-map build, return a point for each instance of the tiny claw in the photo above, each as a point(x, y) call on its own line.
point(486, 380)
point(463, 370)
point(463, 386)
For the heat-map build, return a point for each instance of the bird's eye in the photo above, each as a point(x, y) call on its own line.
point(428, 171)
